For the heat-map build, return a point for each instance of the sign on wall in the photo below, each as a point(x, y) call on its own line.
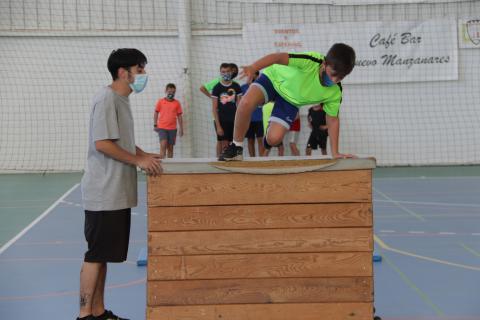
point(396, 51)
point(469, 33)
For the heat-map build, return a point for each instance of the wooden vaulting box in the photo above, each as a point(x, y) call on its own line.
point(278, 244)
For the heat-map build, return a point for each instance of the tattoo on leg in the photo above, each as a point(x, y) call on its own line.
point(83, 299)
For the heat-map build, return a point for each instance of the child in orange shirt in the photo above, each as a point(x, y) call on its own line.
point(167, 112)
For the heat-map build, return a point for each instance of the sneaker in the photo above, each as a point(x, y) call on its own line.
point(108, 315)
point(231, 153)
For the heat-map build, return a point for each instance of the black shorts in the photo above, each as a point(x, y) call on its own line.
point(107, 234)
point(318, 138)
point(227, 131)
point(255, 130)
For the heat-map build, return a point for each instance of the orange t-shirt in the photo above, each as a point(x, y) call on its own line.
point(168, 111)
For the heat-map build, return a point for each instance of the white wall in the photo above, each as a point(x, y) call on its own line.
point(47, 81)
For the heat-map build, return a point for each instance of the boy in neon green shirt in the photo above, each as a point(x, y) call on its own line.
point(293, 80)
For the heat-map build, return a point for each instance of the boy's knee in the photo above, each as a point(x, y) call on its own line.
point(270, 142)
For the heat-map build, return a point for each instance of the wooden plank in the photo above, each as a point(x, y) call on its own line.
point(289, 311)
point(230, 189)
point(255, 291)
point(260, 217)
point(250, 266)
point(260, 241)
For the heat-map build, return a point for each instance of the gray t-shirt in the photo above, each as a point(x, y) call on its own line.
point(109, 184)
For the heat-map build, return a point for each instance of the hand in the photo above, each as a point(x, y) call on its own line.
point(155, 128)
point(150, 162)
point(248, 72)
point(344, 156)
point(220, 131)
point(180, 133)
point(323, 128)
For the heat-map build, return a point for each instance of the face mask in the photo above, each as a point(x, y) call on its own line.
point(226, 76)
point(326, 81)
point(170, 96)
point(139, 83)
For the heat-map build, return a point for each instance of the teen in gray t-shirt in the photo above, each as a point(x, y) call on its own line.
point(109, 185)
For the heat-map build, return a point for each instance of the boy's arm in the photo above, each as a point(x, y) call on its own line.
point(149, 163)
point(333, 124)
point(266, 61)
point(215, 116)
point(180, 125)
point(155, 119)
point(205, 91)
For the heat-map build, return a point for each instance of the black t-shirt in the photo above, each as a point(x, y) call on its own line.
point(317, 118)
point(227, 100)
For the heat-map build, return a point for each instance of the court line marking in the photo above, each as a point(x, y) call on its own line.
point(424, 297)
point(472, 251)
point(428, 178)
point(38, 219)
point(468, 205)
point(384, 246)
point(72, 293)
point(412, 213)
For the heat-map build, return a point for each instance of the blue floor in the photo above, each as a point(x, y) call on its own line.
point(427, 231)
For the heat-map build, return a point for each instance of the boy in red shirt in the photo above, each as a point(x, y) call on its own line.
point(167, 112)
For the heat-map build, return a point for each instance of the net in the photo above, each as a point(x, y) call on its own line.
point(412, 99)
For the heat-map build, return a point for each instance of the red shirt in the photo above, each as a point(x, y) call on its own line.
point(295, 125)
point(168, 111)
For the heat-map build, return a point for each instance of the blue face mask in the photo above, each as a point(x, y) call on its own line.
point(139, 83)
point(226, 76)
point(326, 81)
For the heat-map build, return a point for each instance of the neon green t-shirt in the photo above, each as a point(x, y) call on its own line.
point(266, 113)
point(299, 82)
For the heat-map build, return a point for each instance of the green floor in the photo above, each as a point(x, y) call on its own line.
point(23, 197)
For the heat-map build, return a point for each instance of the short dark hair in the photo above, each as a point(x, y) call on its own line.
point(234, 70)
point(224, 65)
point(125, 58)
point(341, 58)
point(170, 85)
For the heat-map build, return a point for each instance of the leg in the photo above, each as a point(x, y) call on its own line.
point(308, 151)
point(261, 149)
point(219, 148)
point(294, 150)
point(89, 276)
point(98, 305)
point(248, 104)
point(171, 139)
point(275, 134)
point(163, 148)
point(224, 144)
point(251, 147)
point(281, 150)
point(170, 150)
point(324, 151)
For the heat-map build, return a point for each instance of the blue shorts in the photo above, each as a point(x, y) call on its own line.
point(283, 111)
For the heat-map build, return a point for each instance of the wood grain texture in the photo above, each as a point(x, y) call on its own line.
point(231, 189)
point(260, 217)
point(260, 241)
point(290, 311)
point(258, 291)
point(249, 266)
